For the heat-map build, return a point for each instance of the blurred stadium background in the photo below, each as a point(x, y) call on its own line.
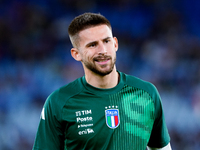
point(159, 41)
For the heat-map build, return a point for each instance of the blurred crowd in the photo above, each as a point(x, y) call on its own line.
point(159, 41)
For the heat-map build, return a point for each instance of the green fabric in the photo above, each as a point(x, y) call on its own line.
point(75, 117)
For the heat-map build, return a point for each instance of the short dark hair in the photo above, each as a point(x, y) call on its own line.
point(85, 21)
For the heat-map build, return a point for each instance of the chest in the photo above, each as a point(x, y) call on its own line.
point(93, 120)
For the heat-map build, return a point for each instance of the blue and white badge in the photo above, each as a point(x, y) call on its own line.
point(112, 118)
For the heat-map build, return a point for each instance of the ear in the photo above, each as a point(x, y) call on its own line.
point(115, 43)
point(76, 54)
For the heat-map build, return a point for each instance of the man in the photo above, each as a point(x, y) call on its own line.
point(105, 109)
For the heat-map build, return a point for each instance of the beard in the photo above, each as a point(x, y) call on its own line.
point(100, 69)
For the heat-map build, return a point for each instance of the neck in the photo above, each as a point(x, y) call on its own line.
point(107, 81)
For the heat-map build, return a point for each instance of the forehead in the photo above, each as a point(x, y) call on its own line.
point(95, 33)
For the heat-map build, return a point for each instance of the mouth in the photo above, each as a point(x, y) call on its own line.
point(102, 60)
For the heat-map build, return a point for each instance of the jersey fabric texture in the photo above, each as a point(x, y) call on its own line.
point(79, 116)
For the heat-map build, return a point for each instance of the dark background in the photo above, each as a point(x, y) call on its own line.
point(159, 41)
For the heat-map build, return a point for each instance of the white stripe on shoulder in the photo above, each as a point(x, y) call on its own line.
point(42, 114)
point(168, 147)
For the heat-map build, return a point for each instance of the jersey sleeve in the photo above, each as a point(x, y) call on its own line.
point(159, 136)
point(50, 133)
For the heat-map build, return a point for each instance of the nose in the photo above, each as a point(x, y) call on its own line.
point(102, 49)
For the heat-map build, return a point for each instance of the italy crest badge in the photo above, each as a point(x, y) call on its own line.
point(112, 117)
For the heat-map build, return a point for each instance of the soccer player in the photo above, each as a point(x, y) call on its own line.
point(105, 109)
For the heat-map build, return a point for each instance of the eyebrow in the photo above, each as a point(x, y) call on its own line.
point(94, 42)
point(107, 38)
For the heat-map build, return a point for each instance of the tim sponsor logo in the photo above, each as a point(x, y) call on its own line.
point(83, 112)
point(83, 116)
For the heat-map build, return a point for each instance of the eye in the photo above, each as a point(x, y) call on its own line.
point(106, 40)
point(93, 44)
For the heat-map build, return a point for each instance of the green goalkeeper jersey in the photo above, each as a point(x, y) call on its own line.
point(79, 116)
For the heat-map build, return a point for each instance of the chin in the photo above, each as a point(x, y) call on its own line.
point(103, 72)
point(100, 70)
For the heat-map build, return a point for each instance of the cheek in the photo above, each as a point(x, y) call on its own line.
point(87, 55)
point(113, 49)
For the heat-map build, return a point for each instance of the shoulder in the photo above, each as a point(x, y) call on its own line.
point(57, 99)
point(141, 84)
point(67, 91)
point(70, 89)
